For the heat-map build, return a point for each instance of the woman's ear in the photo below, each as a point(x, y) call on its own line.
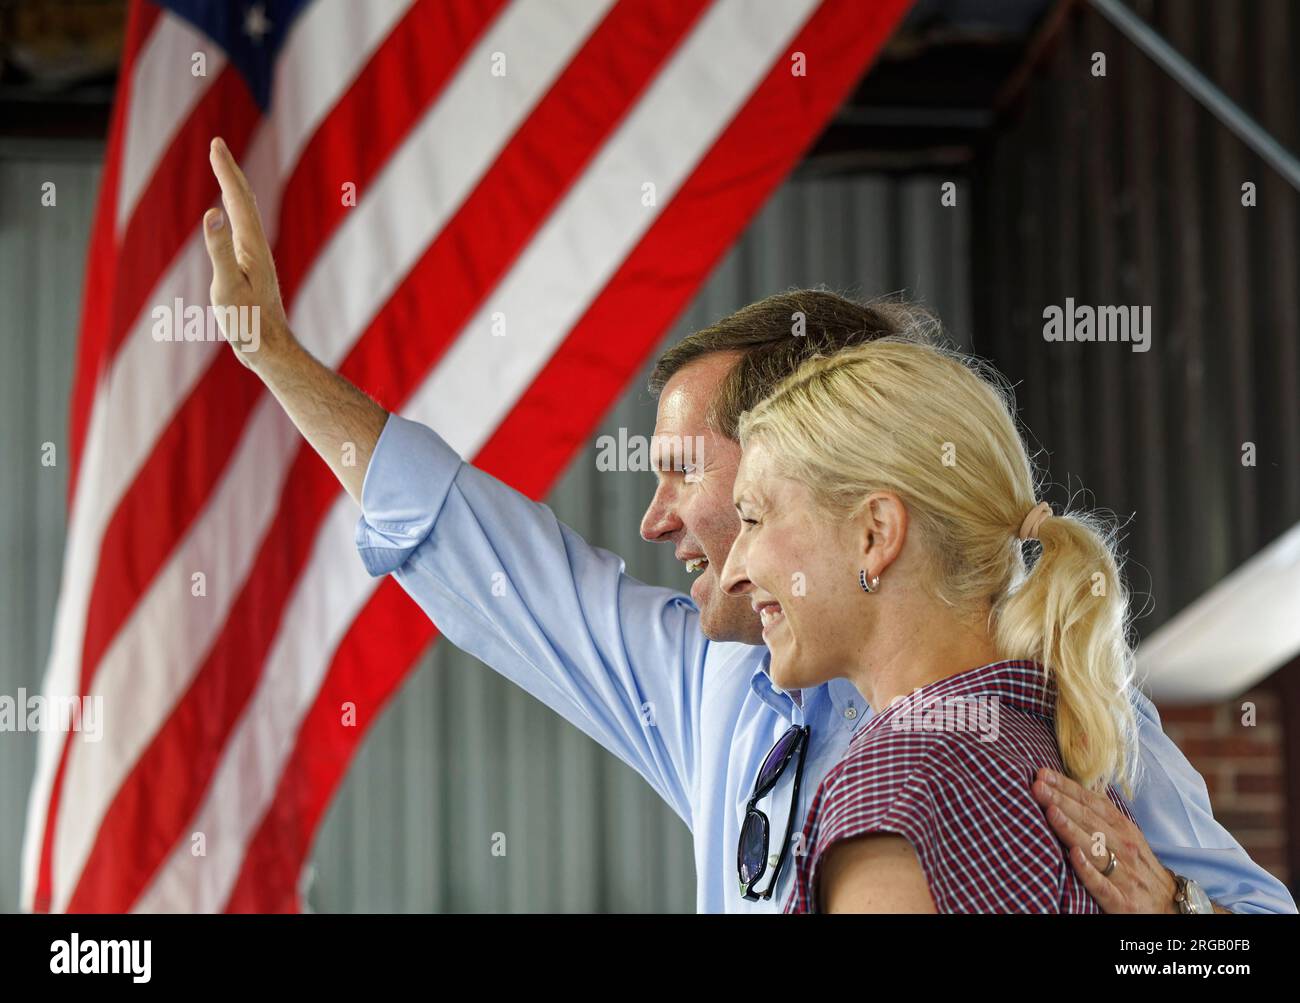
point(883, 524)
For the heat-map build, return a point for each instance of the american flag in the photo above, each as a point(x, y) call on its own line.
point(486, 213)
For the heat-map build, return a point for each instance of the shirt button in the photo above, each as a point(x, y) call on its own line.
point(851, 713)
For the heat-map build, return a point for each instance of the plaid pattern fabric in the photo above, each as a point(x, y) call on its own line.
point(949, 768)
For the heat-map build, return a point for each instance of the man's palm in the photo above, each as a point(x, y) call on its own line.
point(243, 272)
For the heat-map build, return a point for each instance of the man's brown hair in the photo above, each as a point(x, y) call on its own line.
point(766, 334)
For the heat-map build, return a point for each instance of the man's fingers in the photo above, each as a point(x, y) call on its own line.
point(1074, 835)
point(1054, 792)
point(237, 196)
point(1072, 826)
point(1064, 786)
point(221, 249)
point(1081, 805)
point(1099, 886)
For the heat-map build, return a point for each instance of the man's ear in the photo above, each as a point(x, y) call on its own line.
point(883, 525)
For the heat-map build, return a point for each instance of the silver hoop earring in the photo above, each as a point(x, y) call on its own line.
point(868, 586)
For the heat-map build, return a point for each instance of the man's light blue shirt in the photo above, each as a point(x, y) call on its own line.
point(504, 580)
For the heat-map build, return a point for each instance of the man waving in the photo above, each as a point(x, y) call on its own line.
point(675, 685)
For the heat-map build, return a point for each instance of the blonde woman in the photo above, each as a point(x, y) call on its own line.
point(885, 497)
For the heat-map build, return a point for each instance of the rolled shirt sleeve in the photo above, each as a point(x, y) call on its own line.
point(504, 580)
point(410, 472)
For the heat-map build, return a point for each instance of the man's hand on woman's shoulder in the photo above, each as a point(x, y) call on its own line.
point(1086, 821)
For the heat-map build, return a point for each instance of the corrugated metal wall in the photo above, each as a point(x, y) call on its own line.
point(460, 754)
point(1123, 190)
point(42, 254)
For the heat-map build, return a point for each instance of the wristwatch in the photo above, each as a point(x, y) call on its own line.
point(1189, 897)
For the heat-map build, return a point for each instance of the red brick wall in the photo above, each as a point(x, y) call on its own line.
point(1242, 766)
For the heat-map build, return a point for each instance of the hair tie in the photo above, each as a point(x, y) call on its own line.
point(1029, 528)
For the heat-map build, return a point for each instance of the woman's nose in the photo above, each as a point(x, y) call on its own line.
point(733, 580)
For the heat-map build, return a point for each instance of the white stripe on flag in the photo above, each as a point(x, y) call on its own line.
point(332, 41)
point(602, 219)
point(147, 382)
point(253, 760)
point(557, 278)
point(429, 178)
point(394, 221)
point(164, 93)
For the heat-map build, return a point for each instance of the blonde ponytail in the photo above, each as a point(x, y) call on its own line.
point(904, 415)
point(1070, 614)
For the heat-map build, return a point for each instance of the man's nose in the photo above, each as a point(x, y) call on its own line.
point(660, 517)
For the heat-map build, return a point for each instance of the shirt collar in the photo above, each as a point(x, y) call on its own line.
point(779, 700)
point(847, 702)
point(1024, 685)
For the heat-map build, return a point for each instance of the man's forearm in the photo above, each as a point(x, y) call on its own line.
point(341, 423)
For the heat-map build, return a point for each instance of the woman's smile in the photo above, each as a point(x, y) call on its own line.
point(770, 612)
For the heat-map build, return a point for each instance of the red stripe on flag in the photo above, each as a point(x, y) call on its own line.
point(439, 295)
point(268, 879)
point(180, 189)
point(141, 828)
point(97, 305)
point(760, 147)
point(364, 129)
point(101, 254)
point(758, 150)
point(187, 460)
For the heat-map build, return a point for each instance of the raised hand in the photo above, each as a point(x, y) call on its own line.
point(245, 293)
point(341, 423)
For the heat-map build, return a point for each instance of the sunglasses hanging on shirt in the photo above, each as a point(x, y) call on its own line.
point(755, 833)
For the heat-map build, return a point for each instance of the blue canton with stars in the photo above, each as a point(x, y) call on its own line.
point(250, 34)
